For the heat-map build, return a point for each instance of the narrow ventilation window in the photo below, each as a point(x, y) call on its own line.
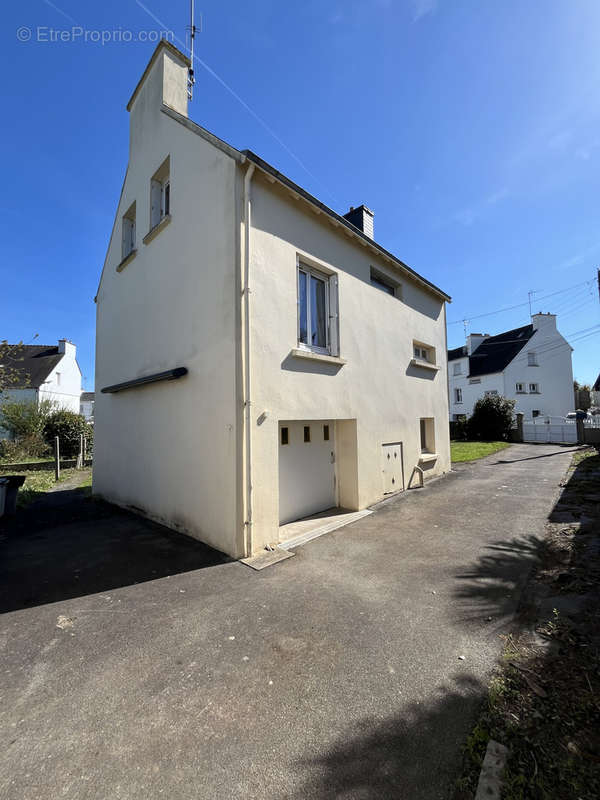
point(307, 433)
point(326, 433)
point(160, 193)
point(128, 232)
point(285, 439)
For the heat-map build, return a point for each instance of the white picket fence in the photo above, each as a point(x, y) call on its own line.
point(554, 429)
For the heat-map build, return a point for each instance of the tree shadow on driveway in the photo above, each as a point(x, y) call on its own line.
point(414, 754)
point(76, 545)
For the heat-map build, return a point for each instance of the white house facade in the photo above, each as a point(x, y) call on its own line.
point(86, 406)
point(530, 365)
point(259, 358)
point(45, 372)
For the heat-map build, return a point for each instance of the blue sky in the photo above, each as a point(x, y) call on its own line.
point(471, 129)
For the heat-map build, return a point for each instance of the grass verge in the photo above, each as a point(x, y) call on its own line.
point(470, 451)
point(38, 482)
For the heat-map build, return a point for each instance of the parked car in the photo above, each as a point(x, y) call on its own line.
point(572, 416)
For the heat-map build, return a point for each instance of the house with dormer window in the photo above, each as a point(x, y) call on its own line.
point(530, 365)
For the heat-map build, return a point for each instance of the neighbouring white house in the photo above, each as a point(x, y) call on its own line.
point(86, 406)
point(259, 357)
point(530, 365)
point(44, 372)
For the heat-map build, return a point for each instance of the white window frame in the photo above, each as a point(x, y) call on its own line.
point(458, 395)
point(423, 353)
point(457, 369)
point(520, 390)
point(491, 393)
point(160, 192)
point(385, 284)
point(330, 280)
point(532, 359)
point(535, 389)
point(128, 232)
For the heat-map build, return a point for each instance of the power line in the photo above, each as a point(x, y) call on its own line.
point(242, 102)
point(519, 305)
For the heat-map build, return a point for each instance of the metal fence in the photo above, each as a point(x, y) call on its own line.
point(555, 429)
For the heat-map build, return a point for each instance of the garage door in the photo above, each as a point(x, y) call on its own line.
point(306, 469)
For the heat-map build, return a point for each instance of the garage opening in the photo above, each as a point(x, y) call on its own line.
point(307, 469)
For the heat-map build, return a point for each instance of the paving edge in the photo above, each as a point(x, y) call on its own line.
point(492, 771)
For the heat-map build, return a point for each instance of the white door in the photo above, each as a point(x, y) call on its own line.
point(306, 469)
point(391, 467)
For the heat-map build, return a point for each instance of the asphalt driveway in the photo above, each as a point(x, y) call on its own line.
point(139, 664)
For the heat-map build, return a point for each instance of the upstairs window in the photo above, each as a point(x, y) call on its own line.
point(160, 194)
point(385, 284)
point(491, 393)
point(457, 369)
point(458, 395)
point(532, 359)
point(128, 232)
point(317, 310)
point(422, 352)
point(520, 388)
point(534, 388)
point(58, 376)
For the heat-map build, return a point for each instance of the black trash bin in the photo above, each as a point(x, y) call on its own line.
point(12, 483)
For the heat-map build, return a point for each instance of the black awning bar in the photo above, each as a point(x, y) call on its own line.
point(169, 375)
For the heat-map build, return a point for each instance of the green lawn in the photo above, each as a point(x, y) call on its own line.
point(38, 482)
point(470, 451)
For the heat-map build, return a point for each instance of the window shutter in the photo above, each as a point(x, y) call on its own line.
point(334, 322)
point(155, 198)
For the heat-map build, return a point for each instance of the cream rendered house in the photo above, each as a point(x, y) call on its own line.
point(259, 357)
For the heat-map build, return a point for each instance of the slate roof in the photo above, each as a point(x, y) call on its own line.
point(33, 363)
point(495, 353)
point(458, 352)
point(596, 386)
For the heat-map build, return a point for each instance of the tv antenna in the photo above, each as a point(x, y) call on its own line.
point(192, 29)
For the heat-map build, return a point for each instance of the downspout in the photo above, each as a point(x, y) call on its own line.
point(246, 364)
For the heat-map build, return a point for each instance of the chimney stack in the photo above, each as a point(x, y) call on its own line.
point(543, 321)
point(67, 348)
point(474, 340)
point(361, 218)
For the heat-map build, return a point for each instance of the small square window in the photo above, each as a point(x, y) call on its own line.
point(520, 387)
point(457, 370)
point(535, 413)
point(532, 360)
point(307, 433)
point(285, 436)
point(534, 388)
point(423, 353)
point(326, 433)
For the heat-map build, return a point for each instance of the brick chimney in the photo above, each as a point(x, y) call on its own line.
point(361, 218)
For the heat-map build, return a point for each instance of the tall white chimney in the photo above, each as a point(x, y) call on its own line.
point(474, 340)
point(67, 348)
point(543, 322)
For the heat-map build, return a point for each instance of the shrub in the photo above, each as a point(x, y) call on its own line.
point(24, 448)
point(459, 430)
point(25, 419)
point(68, 426)
point(491, 420)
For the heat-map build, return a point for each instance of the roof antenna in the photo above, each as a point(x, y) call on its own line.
point(192, 30)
